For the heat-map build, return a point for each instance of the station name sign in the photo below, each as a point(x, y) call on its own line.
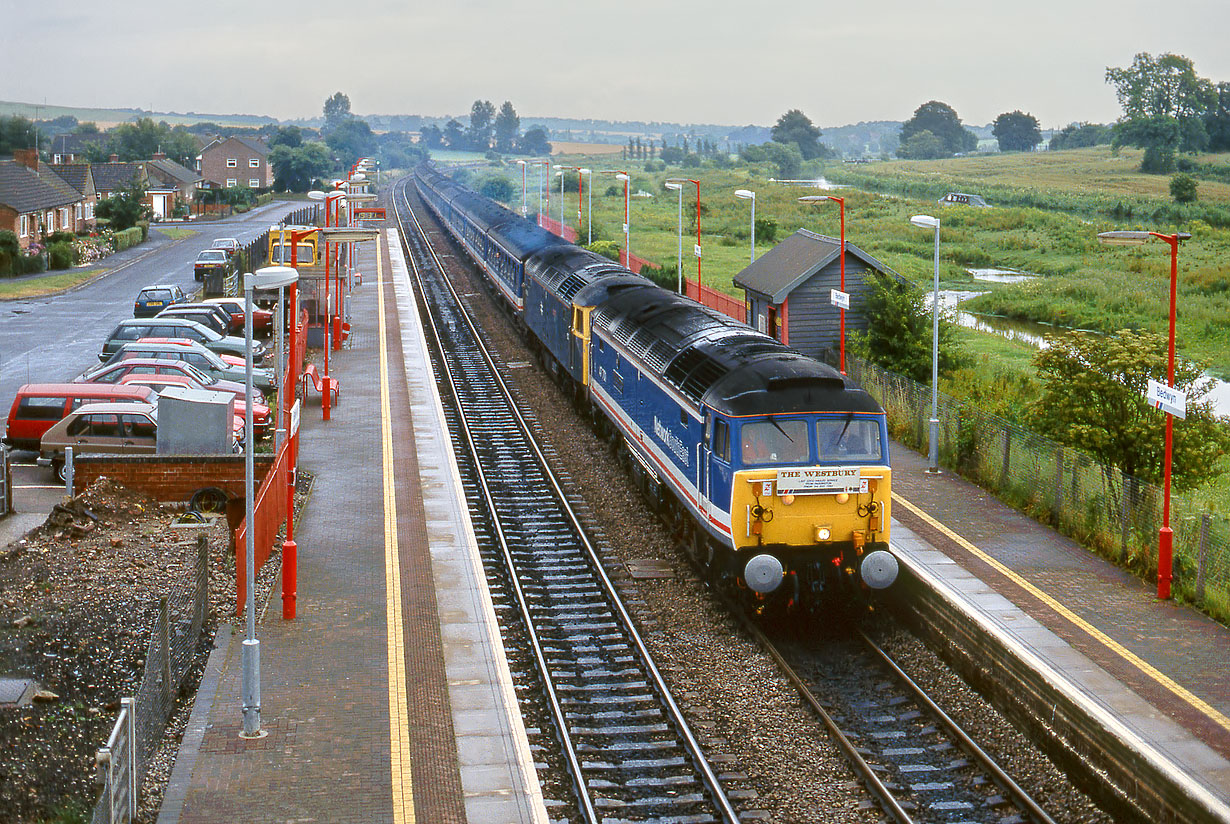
point(1167, 398)
point(817, 480)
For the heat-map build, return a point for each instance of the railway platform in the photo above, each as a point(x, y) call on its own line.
point(387, 699)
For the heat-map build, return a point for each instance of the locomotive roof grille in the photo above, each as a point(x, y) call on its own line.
point(571, 285)
point(694, 372)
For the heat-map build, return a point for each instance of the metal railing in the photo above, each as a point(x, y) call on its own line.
point(1115, 514)
point(123, 762)
point(6, 482)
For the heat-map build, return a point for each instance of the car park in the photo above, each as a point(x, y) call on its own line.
point(215, 317)
point(153, 299)
point(197, 355)
point(260, 412)
point(230, 244)
point(134, 329)
point(211, 260)
point(262, 319)
point(114, 373)
point(39, 406)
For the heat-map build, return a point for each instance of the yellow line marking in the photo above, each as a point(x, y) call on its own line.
point(1114, 646)
point(399, 730)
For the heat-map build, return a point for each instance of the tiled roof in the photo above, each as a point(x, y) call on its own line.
point(111, 177)
point(74, 144)
point(168, 171)
point(778, 271)
point(76, 175)
point(24, 191)
point(251, 143)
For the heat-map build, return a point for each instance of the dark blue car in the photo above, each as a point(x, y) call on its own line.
point(153, 299)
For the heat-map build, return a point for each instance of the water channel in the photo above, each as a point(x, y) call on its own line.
point(1030, 332)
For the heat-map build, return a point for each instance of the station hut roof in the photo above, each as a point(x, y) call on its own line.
point(790, 263)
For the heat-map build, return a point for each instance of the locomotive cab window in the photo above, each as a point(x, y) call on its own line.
point(721, 440)
point(849, 439)
point(774, 442)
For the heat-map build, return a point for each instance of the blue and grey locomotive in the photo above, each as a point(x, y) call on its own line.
point(771, 466)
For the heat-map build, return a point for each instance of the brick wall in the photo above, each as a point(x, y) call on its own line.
point(169, 477)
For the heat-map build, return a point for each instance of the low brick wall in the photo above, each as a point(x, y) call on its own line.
point(172, 478)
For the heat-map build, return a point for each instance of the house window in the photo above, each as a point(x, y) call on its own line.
point(25, 225)
point(230, 183)
point(254, 163)
point(80, 212)
point(231, 163)
point(50, 221)
point(254, 182)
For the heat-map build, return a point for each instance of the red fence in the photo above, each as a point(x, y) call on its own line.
point(268, 516)
point(722, 302)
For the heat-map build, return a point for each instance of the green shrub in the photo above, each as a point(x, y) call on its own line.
point(1183, 188)
point(144, 227)
point(32, 264)
point(59, 237)
point(10, 249)
point(127, 238)
point(62, 254)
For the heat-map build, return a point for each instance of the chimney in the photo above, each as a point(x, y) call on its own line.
point(160, 155)
point(27, 158)
point(115, 158)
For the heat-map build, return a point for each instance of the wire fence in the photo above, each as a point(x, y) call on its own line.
point(122, 764)
point(1115, 514)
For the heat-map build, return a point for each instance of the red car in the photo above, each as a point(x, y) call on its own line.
point(233, 360)
point(262, 319)
point(115, 372)
point(260, 412)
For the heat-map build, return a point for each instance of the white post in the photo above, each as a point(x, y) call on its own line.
point(935, 360)
point(679, 259)
point(251, 646)
point(753, 227)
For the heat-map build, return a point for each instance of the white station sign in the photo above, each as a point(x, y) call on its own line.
point(1167, 398)
point(819, 480)
point(839, 298)
point(294, 419)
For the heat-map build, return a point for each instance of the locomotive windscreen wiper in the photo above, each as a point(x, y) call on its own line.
point(778, 426)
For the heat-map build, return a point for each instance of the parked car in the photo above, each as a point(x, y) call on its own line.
point(134, 329)
point(260, 412)
point(197, 355)
point(211, 260)
point(262, 319)
point(215, 317)
point(114, 373)
point(230, 244)
point(233, 360)
point(39, 406)
point(101, 428)
point(153, 299)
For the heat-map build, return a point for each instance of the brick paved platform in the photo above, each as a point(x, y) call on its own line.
point(383, 589)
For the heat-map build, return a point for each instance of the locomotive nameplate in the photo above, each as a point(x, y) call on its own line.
point(816, 480)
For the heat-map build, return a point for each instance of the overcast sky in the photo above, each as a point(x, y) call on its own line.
point(682, 61)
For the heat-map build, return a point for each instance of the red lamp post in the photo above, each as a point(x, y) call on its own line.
point(841, 205)
point(1165, 536)
point(697, 249)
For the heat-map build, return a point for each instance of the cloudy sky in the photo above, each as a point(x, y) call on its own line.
point(683, 61)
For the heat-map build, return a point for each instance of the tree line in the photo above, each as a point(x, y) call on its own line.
point(487, 131)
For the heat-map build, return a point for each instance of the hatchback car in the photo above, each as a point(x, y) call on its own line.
point(215, 317)
point(262, 319)
point(211, 260)
point(39, 406)
point(197, 355)
point(101, 429)
point(134, 329)
point(153, 299)
point(230, 244)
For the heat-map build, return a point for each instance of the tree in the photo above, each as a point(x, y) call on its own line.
point(15, 133)
point(289, 136)
point(1093, 398)
point(454, 137)
point(431, 136)
point(1017, 132)
point(482, 115)
point(941, 120)
point(1217, 120)
point(497, 187)
point(352, 140)
point(898, 335)
point(1079, 135)
point(1164, 105)
point(1183, 188)
point(336, 111)
point(124, 208)
point(534, 142)
point(795, 128)
point(507, 128)
point(296, 167)
point(922, 146)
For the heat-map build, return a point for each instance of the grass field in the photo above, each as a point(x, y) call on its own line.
point(107, 118)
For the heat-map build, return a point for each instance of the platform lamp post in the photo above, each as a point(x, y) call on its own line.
point(841, 206)
point(928, 222)
point(682, 180)
point(678, 187)
point(589, 238)
point(748, 194)
point(272, 277)
point(1165, 536)
point(620, 174)
point(337, 195)
point(524, 207)
point(580, 196)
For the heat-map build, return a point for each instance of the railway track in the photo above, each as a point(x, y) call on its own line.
point(619, 734)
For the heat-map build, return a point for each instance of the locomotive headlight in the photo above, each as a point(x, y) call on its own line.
point(787, 499)
point(823, 533)
point(843, 497)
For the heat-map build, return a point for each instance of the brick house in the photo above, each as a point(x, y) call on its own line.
point(72, 148)
point(35, 201)
point(227, 162)
point(114, 176)
point(81, 178)
point(170, 184)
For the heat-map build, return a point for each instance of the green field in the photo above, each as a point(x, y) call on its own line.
point(108, 117)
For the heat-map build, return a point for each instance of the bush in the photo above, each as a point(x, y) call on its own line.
point(62, 254)
point(127, 238)
point(1183, 188)
point(59, 237)
point(10, 250)
point(606, 248)
point(144, 227)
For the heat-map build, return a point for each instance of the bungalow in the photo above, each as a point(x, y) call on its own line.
point(170, 184)
point(113, 177)
point(81, 178)
point(788, 291)
point(35, 202)
point(227, 162)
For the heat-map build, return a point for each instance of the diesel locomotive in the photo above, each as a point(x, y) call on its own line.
point(772, 467)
